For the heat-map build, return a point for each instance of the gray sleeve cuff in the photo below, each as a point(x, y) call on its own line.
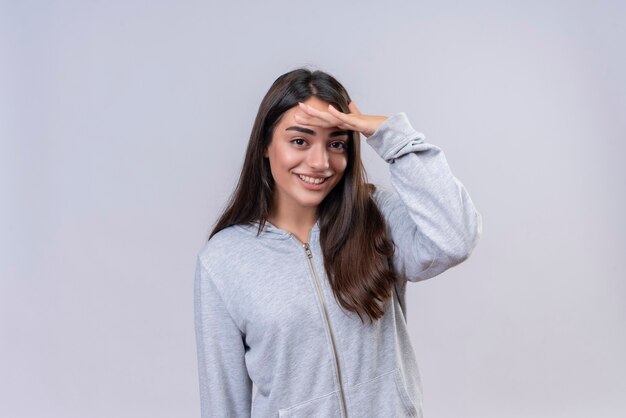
point(395, 137)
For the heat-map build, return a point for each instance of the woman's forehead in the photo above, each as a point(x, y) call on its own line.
point(317, 103)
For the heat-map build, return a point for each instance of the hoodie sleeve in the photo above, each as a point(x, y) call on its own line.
point(430, 217)
point(225, 387)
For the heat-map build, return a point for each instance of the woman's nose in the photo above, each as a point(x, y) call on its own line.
point(318, 158)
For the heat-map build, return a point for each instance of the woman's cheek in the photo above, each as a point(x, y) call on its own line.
point(341, 163)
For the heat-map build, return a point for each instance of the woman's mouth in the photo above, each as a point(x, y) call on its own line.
point(312, 180)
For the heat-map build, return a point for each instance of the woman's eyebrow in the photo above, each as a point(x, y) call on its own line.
point(338, 133)
point(312, 132)
point(301, 129)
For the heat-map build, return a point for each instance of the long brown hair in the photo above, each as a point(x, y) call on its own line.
point(353, 237)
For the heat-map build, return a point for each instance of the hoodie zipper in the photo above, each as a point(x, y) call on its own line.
point(318, 288)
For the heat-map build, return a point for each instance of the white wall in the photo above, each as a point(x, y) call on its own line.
point(123, 126)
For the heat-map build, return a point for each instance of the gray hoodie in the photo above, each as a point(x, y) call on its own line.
point(265, 312)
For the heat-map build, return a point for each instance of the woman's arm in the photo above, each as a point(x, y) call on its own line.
point(225, 387)
point(431, 217)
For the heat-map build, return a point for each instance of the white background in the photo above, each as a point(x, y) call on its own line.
point(123, 126)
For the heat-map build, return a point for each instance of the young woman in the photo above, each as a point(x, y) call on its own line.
point(300, 288)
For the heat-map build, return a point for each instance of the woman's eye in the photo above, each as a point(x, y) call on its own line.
point(340, 145)
point(298, 141)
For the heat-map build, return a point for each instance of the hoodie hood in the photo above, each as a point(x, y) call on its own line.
point(271, 231)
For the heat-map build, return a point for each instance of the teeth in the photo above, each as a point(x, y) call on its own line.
point(311, 180)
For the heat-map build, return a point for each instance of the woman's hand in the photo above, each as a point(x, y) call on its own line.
point(353, 121)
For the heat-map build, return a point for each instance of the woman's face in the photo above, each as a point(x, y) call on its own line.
point(306, 161)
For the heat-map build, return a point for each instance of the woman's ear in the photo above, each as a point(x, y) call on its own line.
point(265, 154)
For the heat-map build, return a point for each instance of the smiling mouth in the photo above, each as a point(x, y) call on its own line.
point(312, 180)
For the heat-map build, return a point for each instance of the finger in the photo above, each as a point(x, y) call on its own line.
point(311, 111)
point(345, 117)
point(350, 120)
point(313, 121)
point(333, 118)
point(304, 119)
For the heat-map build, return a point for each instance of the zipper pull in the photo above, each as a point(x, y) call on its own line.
point(308, 250)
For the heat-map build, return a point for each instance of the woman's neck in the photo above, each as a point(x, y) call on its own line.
point(298, 222)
